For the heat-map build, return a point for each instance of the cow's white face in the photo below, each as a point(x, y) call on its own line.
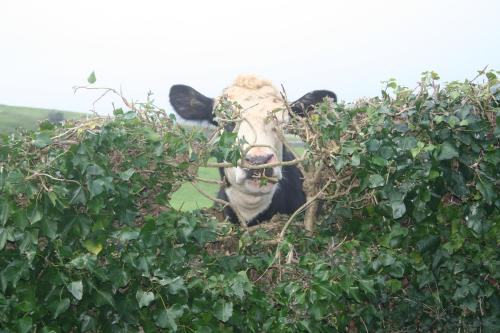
point(261, 116)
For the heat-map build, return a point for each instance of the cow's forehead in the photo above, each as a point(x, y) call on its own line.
point(256, 96)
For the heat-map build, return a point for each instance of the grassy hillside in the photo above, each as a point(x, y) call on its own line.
point(12, 117)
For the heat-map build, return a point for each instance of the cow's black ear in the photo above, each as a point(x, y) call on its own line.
point(309, 100)
point(190, 104)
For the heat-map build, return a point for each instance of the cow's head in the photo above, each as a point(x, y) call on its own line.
point(262, 111)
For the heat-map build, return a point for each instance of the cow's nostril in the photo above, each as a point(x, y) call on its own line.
point(259, 159)
point(268, 172)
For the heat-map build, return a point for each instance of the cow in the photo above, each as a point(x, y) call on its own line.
point(255, 201)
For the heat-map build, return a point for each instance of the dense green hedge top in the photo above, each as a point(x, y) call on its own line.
point(88, 241)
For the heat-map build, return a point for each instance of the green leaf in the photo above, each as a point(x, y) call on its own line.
point(107, 297)
point(397, 270)
point(407, 143)
point(306, 325)
point(375, 181)
point(355, 160)
point(166, 318)
point(144, 298)
point(35, 215)
point(223, 310)
point(92, 246)
point(78, 196)
point(453, 121)
point(42, 140)
point(487, 191)
point(429, 243)
point(373, 145)
point(24, 325)
point(125, 175)
point(491, 76)
point(475, 219)
point(387, 259)
point(62, 306)
point(394, 285)
point(398, 209)
point(447, 151)
point(119, 278)
point(4, 211)
point(88, 323)
point(76, 289)
point(91, 79)
point(176, 285)
point(380, 161)
point(151, 135)
point(3, 238)
point(367, 286)
point(96, 187)
point(240, 285)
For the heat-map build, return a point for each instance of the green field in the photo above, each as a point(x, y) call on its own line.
point(12, 117)
point(187, 198)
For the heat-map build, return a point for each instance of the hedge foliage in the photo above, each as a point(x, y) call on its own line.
point(88, 241)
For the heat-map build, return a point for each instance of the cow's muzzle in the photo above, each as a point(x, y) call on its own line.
point(260, 160)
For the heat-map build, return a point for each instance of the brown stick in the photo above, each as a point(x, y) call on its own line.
point(254, 166)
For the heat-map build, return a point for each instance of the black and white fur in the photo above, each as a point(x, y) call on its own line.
point(255, 203)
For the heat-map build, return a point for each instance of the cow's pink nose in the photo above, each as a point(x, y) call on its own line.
point(259, 159)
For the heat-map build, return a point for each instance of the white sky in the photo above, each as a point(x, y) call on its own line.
point(49, 46)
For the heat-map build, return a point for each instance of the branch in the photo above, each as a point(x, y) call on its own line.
point(38, 174)
point(281, 235)
point(224, 203)
point(208, 196)
point(254, 166)
point(301, 208)
point(209, 181)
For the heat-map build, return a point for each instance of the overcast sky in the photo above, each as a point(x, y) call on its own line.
point(49, 46)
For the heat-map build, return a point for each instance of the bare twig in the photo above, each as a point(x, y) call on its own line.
point(223, 203)
point(208, 196)
point(37, 174)
point(281, 235)
point(253, 166)
point(209, 181)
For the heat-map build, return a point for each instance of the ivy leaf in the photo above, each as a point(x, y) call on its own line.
point(92, 246)
point(375, 181)
point(3, 238)
point(62, 306)
point(240, 285)
point(24, 325)
point(367, 286)
point(91, 79)
point(125, 175)
point(373, 145)
point(96, 187)
point(78, 196)
point(144, 298)
point(378, 160)
point(35, 215)
point(447, 151)
point(166, 318)
point(475, 219)
point(42, 140)
point(107, 297)
point(76, 289)
point(223, 310)
point(398, 209)
point(4, 212)
point(486, 190)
